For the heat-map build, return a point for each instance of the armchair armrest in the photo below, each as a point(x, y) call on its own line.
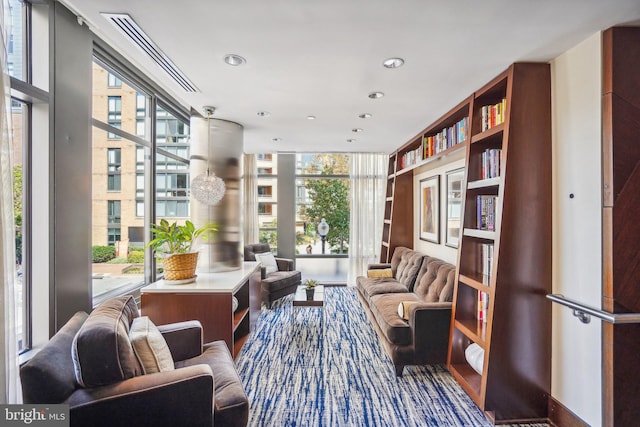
point(284, 264)
point(184, 339)
point(430, 324)
point(160, 399)
point(378, 266)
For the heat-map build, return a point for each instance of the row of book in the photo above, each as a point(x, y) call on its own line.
point(410, 158)
point(446, 138)
point(493, 115)
point(490, 163)
point(486, 212)
point(432, 145)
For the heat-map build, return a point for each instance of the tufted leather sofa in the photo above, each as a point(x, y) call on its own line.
point(426, 284)
point(204, 387)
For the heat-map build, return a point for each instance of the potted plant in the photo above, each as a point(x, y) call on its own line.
point(309, 287)
point(174, 244)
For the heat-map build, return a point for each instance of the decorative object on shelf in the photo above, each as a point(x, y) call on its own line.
point(208, 188)
point(430, 209)
point(310, 287)
point(174, 243)
point(323, 230)
point(234, 304)
point(454, 206)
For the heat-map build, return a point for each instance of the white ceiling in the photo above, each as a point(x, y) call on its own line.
point(323, 58)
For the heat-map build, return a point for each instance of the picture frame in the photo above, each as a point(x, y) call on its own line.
point(430, 209)
point(455, 181)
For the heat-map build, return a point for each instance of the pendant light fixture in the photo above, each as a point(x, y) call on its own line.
point(207, 188)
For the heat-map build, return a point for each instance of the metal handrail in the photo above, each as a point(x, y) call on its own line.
point(584, 312)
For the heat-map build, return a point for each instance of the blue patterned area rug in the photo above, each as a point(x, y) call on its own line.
point(307, 371)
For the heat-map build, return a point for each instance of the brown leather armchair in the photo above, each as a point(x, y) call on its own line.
point(203, 389)
point(278, 284)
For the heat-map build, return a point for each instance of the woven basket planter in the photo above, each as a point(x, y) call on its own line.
point(180, 266)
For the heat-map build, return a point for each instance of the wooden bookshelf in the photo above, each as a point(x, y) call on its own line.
point(516, 331)
point(397, 228)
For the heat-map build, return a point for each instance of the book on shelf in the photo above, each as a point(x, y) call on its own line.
point(486, 212)
point(490, 163)
point(493, 115)
point(486, 263)
point(446, 138)
point(483, 305)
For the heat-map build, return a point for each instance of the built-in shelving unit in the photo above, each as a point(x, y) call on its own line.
point(444, 138)
point(504, 256)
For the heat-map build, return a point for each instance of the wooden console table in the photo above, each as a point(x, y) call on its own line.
point(209, 300)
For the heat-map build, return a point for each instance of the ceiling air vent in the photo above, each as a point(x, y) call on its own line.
point(128, 27)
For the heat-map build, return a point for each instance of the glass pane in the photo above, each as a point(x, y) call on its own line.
point(118, 188)
point(16, 46)
point(18, 118)
point(322, 164)
point(172, 175)
point(267, 165)
point(324, 197)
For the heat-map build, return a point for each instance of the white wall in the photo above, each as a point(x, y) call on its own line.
point(441, 168)
point(577, 231)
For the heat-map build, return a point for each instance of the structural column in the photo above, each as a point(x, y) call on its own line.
point(218, 145)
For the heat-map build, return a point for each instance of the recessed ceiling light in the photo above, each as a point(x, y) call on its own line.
point(351, 140)
point(356, 130)
point(393, 62)
point(235, 60)
point(376, 95)
point(311, 117)
point(364, 115)
point(264, 113)
point(277, 139)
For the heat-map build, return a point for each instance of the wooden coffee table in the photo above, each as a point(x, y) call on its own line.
point(300, 300)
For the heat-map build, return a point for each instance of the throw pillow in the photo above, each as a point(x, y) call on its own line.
point(150, 346)
point(380, 272)
point(403, 309)
point(268, 261)
point(101, 350)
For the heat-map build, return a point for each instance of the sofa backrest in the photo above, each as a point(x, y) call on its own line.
point(250, 251)
point(102, 353)
point(435, 281)
point(405, 265)
point(49, 376)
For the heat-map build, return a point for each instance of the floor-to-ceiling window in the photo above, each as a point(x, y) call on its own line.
point(23, 96)
point(130, 123)
point(267, 165)
point(322, 215)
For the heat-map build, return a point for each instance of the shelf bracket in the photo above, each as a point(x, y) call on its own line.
point(584, 312)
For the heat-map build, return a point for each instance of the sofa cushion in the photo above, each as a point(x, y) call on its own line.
point(385, 310)
point(280, 280)
point(435, 281)
point(52, 366)
point(407, 270)
point(101, 351)
point(231, 402)
point(380, 272)
point(370, 286)
point(150, 347)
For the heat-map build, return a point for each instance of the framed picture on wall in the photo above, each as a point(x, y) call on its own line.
point(454, 206)
point(430, 209)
